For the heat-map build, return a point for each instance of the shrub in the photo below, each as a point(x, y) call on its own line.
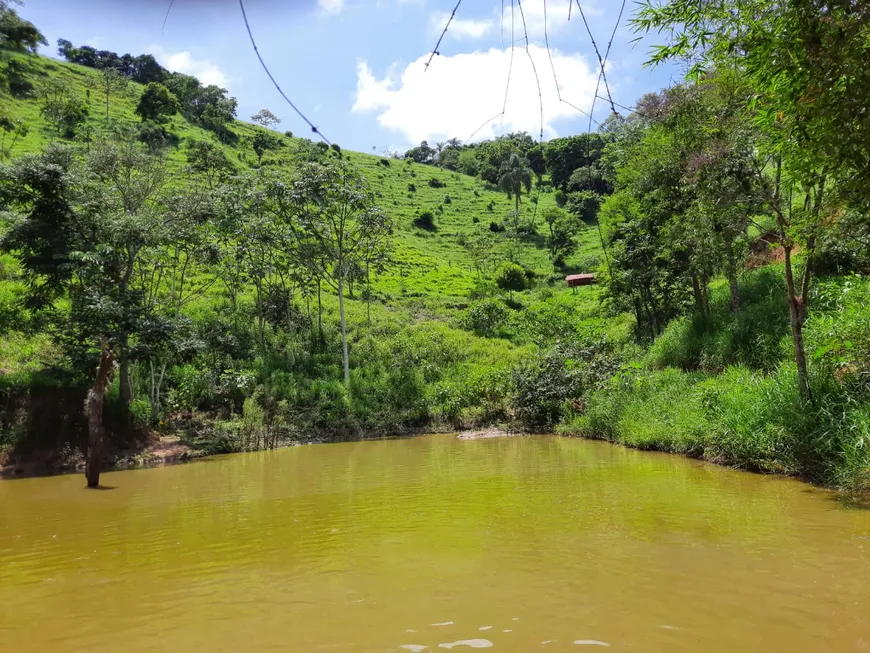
point(434, 182)
point(511, 277)
point(485, 317)
point(496, 227)
point(412, 188)
point(426, 221)
point(447, 199)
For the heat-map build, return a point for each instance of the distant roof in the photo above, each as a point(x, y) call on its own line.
point(578, 277)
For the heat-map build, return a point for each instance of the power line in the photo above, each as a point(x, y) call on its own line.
point(166, 17)
point(266, 68)
point(474, 133)
point(534, 70)
point(553, 66)
point(443, 32)
point(603, 63)
point(597, 54)
point(510, 69)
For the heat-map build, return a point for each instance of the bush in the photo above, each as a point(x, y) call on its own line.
point(485, 317)
point(447, 199)
point(511, 277)
point(412, 188)
point(496, 227)
point(434, 182)
point(426, 221)
point(384, 162)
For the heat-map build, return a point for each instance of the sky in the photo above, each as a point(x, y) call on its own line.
point(357, 68)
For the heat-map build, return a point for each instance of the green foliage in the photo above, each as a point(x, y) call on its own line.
point(486, 317)
point(426, 221)
point(61, 106)
point(157, 103)
point(17, 33)
point(511, 277)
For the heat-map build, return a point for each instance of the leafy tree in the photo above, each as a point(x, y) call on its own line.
point(335, 224)
point(261, 142)
point(510, 277)
point(564, 155)
point(806, 65)
point(157, 103)
point(560, 239)
point(62, 107)
point(73, 238)
point(110, 81)
point(16, 128)
point(422, 154)
point(266, 119)
point(210, 161)
point(17, 33)
point(513, 176)
point(467, 162)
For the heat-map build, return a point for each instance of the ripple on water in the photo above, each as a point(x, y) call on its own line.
point(414, 648)
point(590, 642)
point(471, 643)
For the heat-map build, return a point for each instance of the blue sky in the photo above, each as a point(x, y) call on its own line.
point(357, 67)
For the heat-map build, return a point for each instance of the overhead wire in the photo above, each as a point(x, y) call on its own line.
point(603, 74)
point(166, 17)
point(443, 32)
point(604, 63)
point(510, 69)
point(553, 67)
point(314, 128)
point(540, 96)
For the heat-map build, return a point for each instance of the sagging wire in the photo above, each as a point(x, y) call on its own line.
point(314, 129)
point(604, 63)
point(443, 32)
point(597, 54)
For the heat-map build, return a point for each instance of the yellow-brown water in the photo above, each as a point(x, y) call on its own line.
point(517, 544)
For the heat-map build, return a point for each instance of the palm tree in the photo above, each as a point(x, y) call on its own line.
point(513, 175)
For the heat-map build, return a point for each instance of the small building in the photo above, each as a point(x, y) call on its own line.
point(574, 280)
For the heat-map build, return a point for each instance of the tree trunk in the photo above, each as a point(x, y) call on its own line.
point(126, 388)
point(696, 292)
point(345, 359)
point(368, 295)
point(797, 313)
point(319, 315)
point(731, 272)
point(94, 411)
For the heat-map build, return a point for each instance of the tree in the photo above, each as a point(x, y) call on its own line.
point(422, 154)
point(17, 128)
point(805, 63)
point(335, 224)
point(17, 33)
point(564, 155)
point(157, 103)
point(74, 239)
point(261, 142)
point(210, 161)
point(560, 240)
point(513, 176)
point(510, 277)
point(266, 119)
point(62, 107)
point(110, 81)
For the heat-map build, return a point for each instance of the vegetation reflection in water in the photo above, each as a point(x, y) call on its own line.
point(517, 543)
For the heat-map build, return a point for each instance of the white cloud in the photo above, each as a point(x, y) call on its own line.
point(206, 71)
point(460, 27)
point(460, 92)
point(536, 11)
point(331, 6)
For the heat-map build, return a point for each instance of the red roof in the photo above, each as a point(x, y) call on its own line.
point(579, 277)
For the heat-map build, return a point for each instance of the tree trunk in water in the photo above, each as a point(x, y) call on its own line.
point(797, 313)
point(94, 410)
point(345, 359)
point(731, 271)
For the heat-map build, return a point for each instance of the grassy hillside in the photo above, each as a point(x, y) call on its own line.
point(425, 263)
